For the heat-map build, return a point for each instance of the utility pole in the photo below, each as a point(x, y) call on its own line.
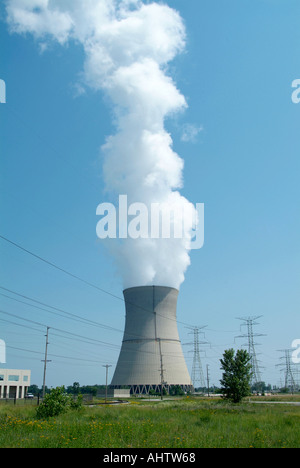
point(45, 361)
point(207, 374)
point(289, 381)
point(106, 366)
point(250, 322)
point(161, 378)
point(162, 381)
point(296, 377)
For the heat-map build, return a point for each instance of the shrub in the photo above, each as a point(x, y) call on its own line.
point(57, 402)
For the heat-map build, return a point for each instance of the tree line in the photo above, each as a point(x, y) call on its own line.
point(234, 385)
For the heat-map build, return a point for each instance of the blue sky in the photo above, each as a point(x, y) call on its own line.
point(236, 74)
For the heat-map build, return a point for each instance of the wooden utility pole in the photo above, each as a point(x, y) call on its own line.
point(162, 380)
point(207, 380)
point(106, 366)
point(45, 361)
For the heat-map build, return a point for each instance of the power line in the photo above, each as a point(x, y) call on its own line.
point(60, 330)
point(77, 336)
point(21, 318)
point(78, 339)
point(72, 275)
point(54, 355)
point(59, 268)
point(72, 316)
point(69, 315)
point(77, 278)
point(46, 360)
point(19, 325)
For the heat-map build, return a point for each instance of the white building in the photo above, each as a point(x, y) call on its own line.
point(114, 393)
point(14, 383)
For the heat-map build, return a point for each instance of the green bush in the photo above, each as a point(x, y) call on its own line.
point(57, 402)
point(76, 404)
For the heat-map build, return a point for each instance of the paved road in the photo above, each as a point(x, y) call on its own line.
point(296, 403)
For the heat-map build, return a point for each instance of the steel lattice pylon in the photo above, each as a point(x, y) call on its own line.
point(197, 375)
point(289, 381)
point(249, 322)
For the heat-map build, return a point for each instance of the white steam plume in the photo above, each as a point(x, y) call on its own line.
point(127, 45)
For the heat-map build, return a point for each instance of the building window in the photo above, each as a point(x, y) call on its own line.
point(25, 378)
point(2, 377)
point(13, 378)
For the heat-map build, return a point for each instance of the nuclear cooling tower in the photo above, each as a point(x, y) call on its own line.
point(151, 355)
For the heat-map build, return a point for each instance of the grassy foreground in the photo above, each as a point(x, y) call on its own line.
point(187, 423)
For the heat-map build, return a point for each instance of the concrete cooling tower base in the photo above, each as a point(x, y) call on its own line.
point(151, 356)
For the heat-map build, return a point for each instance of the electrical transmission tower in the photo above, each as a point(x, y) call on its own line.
point(250, 322)
point(289, 380)
point(197, 370)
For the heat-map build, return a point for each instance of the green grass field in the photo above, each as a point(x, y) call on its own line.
point(184, 423)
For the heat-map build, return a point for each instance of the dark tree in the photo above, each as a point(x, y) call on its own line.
point(237, 371)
